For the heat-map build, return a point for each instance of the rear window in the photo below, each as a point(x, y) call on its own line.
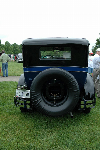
point(55, 53)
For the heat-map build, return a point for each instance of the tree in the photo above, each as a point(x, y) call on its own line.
point(11, 49)
point(97, 45)
point(20, 48)
point(7, 47)
point(2, 47)
point(15, 48)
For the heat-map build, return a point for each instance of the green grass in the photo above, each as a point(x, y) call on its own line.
point(34, 131)
point(14, 68)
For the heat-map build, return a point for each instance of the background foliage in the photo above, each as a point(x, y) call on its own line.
point(97, 45)
point(11, 48)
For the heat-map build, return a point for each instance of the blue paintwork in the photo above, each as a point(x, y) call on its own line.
point(79, 73)
point(41, 68)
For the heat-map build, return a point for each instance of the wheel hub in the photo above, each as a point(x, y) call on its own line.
point(54, 91)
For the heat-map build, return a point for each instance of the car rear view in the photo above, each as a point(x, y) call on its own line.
point(55, 79)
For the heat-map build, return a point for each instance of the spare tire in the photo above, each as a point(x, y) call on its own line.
point(54, 92)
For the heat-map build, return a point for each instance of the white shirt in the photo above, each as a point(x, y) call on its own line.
point(96, 61)
point(90, 61)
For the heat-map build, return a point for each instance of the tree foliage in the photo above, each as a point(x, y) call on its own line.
point(11, 48)
point(97, 45)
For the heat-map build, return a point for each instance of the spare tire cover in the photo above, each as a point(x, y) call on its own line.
point(54, 92)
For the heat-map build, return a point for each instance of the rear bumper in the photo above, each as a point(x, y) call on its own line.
point(26, 103)
point(22, 98)
point(86, 104)
point(22, 103)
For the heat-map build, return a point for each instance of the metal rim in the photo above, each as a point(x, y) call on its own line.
point(54, 92)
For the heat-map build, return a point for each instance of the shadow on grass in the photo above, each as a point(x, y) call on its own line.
point(52, 122)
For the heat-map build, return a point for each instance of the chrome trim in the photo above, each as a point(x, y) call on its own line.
point(32, 71)
point(66, 70)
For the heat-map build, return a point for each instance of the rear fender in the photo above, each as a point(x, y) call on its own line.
point(21, 80)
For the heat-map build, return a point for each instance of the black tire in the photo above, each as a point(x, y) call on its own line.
point(54, 92)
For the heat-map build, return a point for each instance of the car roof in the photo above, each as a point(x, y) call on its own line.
point(60, 40)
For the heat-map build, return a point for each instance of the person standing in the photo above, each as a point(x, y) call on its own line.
point(96, 71)
point(90, 62)
point(4, 58)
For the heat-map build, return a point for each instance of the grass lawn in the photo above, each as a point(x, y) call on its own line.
point(34, 131)
point(14, 68)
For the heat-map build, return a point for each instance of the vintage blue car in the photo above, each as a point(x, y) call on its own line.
point(55, 80)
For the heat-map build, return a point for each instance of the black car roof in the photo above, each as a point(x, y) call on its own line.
point(46, 41)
